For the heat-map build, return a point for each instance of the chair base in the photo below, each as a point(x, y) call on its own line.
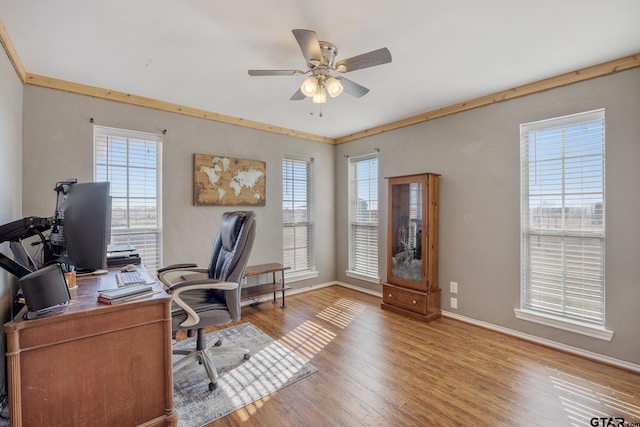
point(200, 355)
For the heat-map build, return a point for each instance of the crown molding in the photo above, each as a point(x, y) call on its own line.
point(127, 98)
point(5, 41)
point(606, 68)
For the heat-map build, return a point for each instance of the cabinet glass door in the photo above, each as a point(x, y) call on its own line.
point(406, 231)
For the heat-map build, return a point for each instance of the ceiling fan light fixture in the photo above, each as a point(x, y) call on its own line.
point(334, 87)
point(320, 57)
point(320, 97)
point(309, 86)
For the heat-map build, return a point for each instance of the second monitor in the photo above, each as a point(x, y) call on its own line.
point(84, 213)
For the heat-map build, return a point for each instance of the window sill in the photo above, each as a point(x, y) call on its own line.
point(564, 324)
point(364, 277)
point(296, 276)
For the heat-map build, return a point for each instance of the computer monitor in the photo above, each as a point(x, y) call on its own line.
point(84, 213)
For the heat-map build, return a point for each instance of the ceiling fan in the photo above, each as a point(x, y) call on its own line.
point(321, 60)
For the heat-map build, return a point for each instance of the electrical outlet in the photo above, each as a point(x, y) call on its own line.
point(454, 303)
point(453, 287)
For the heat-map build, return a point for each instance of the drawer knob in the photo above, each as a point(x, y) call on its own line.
point(390, 295)
point(414, 301)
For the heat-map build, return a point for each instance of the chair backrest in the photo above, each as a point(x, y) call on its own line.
point(231, 251)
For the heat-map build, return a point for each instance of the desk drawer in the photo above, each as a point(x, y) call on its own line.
point(405, 298)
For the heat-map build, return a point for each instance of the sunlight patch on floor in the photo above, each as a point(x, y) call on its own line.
point(307, 340)
point(584, 401)
point(341, 312)
point(618, 405)
point(251, 409)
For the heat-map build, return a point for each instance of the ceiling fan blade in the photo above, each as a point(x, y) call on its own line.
point(366, 60)
point(298, 96)
point(308, 41)
point(352, 88)
point(275, 72)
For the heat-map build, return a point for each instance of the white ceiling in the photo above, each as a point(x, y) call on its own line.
point(197, 53)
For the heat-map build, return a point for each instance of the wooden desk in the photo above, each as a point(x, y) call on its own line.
point(250, 292)
point(94, 364)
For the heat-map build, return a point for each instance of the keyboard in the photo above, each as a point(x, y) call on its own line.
point(126, 278)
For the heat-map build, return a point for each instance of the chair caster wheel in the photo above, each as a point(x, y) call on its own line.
point(218, 343)
point(247, 356)
point(213, 386)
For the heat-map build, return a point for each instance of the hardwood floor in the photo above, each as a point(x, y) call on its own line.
point(377, 368)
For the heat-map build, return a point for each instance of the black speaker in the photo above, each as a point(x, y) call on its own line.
point(44, 288)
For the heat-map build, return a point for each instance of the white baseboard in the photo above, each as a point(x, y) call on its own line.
point(532, 338)
point(294, 291)
point(313, 288)
point(359, 289)
point(548, 343)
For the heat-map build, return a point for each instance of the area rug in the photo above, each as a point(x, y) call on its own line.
point(270, 368)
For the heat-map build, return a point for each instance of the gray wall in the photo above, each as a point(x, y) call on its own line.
point(477, 153)
point(10, 177)
point(58, 143)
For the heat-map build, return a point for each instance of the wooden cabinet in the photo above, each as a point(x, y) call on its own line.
point(412, 247)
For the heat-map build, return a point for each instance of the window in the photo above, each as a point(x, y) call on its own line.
point(131, 162)
point(297, 211)
point(563, 218)
point(363, 217)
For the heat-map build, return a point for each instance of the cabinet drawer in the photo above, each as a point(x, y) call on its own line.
point(406, 299)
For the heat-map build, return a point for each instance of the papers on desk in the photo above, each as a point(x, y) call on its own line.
point(128, 293)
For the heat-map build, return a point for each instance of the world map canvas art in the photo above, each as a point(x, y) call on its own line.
point(227, 181)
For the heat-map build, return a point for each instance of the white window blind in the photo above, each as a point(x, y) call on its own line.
point(563, 222)
point(297, 222)
point(363, 215)
point(131, 162)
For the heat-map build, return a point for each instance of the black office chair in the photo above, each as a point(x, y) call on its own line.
point(208, 297)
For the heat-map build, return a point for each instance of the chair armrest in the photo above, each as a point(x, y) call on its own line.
point(188, 285)
point(176, 289)
point(175, 266)
point(176, 274)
